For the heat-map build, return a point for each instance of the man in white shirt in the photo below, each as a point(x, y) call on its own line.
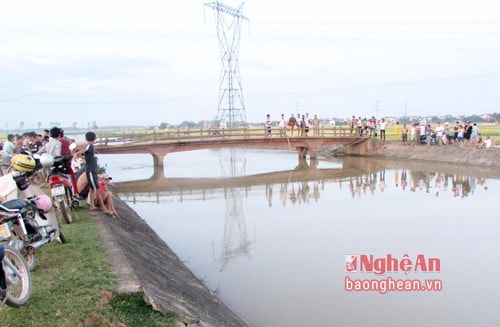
point(282, 125)
point(54, 146)
point(9, 146)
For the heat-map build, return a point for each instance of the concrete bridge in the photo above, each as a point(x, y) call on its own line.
point(159, 144)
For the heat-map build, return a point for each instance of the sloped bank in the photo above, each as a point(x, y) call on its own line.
point(142, 261)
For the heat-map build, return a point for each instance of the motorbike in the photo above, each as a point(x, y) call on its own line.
point(15, 276)
point(31, 228)
point(35, 223)
point(61, 186)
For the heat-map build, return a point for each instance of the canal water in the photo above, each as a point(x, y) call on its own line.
point(350, 242)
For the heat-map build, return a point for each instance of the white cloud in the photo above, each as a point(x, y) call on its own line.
point(329, 55)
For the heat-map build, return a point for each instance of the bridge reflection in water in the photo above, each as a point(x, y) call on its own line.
point(294, 185)
point(312, 224)
point(304, 171)
point(298, 186)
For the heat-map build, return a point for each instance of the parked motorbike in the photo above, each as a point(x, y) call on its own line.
point(36, 223)
point(31, 228)
point(15, 276)
point(61, 186)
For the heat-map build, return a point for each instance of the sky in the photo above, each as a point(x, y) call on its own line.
point(149, 62)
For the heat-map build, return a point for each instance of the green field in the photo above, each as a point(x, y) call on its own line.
point(492, 130)
point(74, 286)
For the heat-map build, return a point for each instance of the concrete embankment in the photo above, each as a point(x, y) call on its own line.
point(449, 154)
point(143, 262)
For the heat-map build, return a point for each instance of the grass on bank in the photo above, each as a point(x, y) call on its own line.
point(73, 286)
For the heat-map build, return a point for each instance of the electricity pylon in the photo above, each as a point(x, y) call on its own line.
point(231, 108)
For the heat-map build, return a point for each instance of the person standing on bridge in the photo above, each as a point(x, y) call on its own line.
point(268, 126)
point(292, 121)
point(307, 123)
point(359, 123)
point(352, 125)
point(282, 125)
point(302, 122)
point(315, 123)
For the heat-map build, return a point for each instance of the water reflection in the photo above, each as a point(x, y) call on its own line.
point(236, 241)
point(297, 187)
point(300, 188)
point(416, 180)
point(297, 193)
point(285, 233)
point(234, 164)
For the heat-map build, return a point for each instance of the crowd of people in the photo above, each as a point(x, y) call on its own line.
point(367, 127)
point(83, 169)
point(462, 134)
point(300, 123)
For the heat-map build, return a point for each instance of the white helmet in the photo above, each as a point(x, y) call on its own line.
point(47, 160)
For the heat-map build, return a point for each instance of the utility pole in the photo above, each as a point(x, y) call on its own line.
point(376, 110)
point(231, 108)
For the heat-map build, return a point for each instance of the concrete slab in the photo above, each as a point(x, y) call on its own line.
point(142, 261)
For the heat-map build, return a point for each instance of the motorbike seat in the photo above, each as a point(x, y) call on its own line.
point(13, 205)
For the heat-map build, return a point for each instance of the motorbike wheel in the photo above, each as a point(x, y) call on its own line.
point(65, 210)
point(18, 277)
point(29, 256)
point(75, 204)
point(61, 236)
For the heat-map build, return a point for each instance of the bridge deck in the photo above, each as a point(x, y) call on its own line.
point(160, 143)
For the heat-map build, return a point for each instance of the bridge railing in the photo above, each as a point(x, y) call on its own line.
point(185, 134)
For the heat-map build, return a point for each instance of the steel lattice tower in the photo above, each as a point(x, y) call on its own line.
point(231, 108)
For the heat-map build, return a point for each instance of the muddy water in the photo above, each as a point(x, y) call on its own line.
point(332, 246)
